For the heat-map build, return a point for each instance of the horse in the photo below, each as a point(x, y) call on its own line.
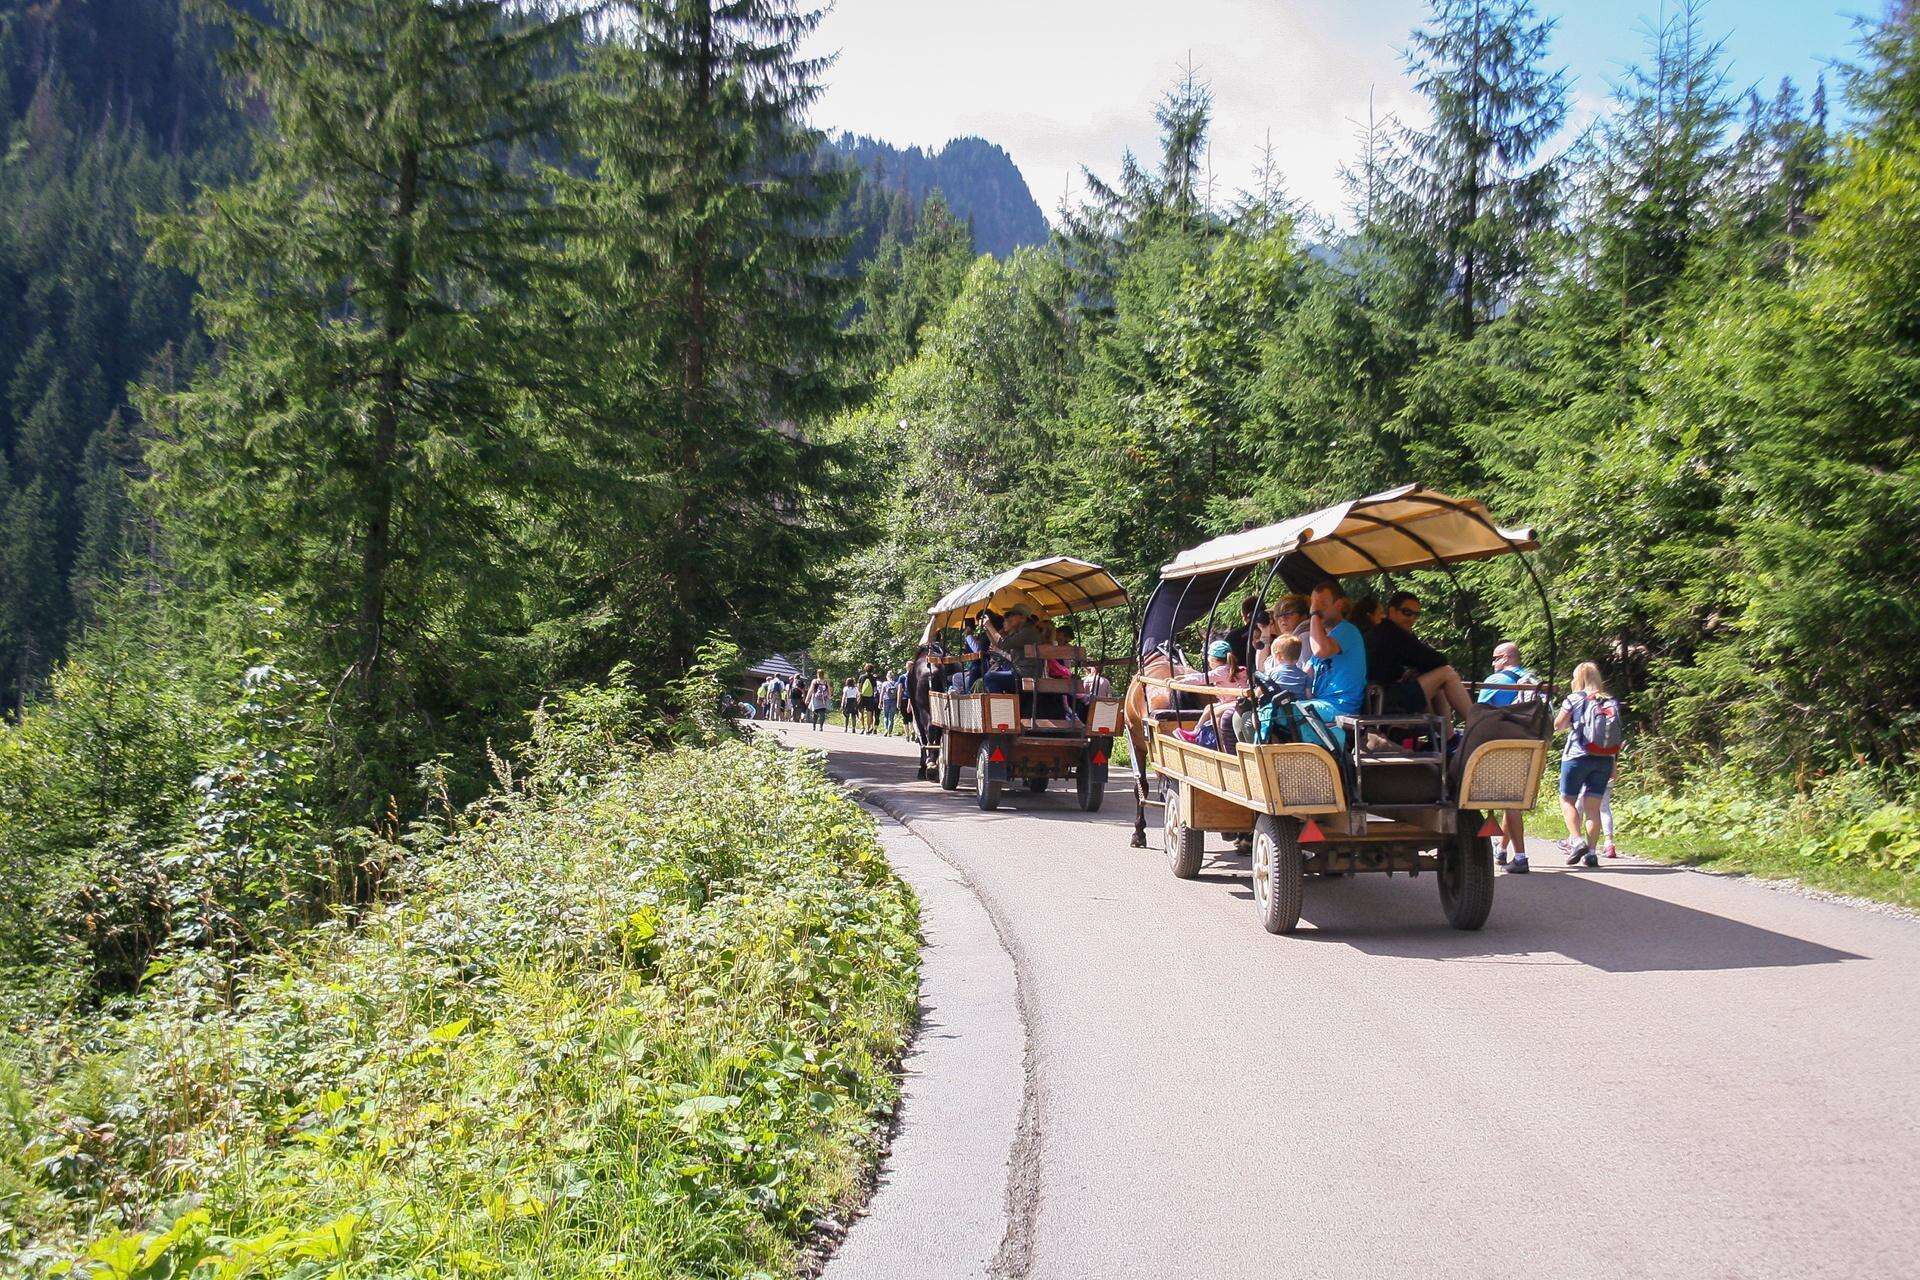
point(921, 675)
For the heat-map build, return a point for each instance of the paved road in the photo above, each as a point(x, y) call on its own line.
point(1635, 1071)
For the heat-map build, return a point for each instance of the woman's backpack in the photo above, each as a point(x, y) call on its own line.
point(1599, 724)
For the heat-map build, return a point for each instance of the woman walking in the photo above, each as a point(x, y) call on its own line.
point(849, 704)
point(819, 699)
point(889, 701)
point(1591, 717)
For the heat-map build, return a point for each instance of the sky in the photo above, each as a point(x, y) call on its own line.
point(1062, 83)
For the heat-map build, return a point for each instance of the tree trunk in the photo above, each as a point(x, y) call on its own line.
point(377, 549)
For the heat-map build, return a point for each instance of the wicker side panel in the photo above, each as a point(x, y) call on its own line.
point(1209, 770)
point(1302, 778)
point(1503, 775)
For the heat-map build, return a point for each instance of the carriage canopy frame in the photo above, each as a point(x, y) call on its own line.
point(1406, 528)
point(1053, 588)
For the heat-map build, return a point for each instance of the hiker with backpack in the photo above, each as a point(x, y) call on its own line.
point(1510, 684)
point(1595, 730)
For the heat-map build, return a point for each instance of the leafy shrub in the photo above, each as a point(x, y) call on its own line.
point(151, 801)
point(1850, 818)
point(638, 1019)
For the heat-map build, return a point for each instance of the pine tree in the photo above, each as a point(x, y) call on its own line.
point(1467, 189)
point(106, 519)
point(1116, 218)
point(725, 282)
point(911, 281)
point(376, 409)
point(1665, 156)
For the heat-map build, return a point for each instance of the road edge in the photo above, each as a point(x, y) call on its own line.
point(955, 1192)
point(1014, 1257)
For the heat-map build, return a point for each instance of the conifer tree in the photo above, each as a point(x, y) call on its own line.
point(1116, 218)
point(724, 297)
point(1467, 190)
point(376, 288)
point(1665, 156)
point(910, 282)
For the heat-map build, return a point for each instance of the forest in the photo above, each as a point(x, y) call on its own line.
point(414, 411)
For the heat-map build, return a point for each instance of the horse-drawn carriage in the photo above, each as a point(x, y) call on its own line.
point(1373, 792)
point(1030, 730)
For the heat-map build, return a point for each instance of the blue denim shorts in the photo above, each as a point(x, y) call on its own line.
point(1590, 774)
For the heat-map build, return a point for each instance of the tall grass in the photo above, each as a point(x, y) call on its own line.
point(636, 1013)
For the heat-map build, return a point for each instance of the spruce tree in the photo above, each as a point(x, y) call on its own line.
point(722, 301)
point(376, 409)
point(1467, 190)
point(1665, 156)
point(911, 281)
point(1116, 218)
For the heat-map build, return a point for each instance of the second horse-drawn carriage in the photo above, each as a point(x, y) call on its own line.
point(1369, 791)
point(1012, 728)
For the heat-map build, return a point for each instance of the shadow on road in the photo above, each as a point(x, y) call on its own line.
point(1573, 914)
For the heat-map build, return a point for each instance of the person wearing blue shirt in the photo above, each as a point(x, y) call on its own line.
point(1338, 658)
point(1498, 690)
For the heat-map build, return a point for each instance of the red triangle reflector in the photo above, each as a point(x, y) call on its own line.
point(1490, 828)
point(1311, 832)
point(998, 756)
point(1099, 757)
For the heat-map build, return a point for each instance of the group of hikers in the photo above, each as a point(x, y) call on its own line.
point(1315, 656)
point(870, 701)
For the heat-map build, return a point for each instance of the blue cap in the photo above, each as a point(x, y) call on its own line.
point(1219, 649)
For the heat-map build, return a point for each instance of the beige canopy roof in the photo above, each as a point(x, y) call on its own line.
point(1051, 588)
point(1405, 528)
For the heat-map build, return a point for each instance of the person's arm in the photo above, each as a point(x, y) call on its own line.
point(1565, 718)
point(1423, 656)
point(1320, 636)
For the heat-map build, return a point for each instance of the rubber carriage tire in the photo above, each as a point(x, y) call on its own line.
point(1184, 846)
point(1089, 793)
point(1036, 785)
point(986, 791)
point(1466, 875)
point(1279, 872)
point(948, 766)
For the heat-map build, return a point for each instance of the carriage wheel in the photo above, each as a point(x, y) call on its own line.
point(987, 791)
point(1086, 790)
point(949, 767)
point(1466, 873)
point(1279, 872)
point(1183, 844)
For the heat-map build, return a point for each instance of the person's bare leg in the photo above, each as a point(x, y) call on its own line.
point(1443, 684)
point(1571, 812)
point(1516, 831)
point(1590, 809)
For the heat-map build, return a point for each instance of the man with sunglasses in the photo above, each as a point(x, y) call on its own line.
point(1414, 676)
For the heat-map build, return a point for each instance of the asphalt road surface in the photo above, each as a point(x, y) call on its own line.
point(1632, 1071)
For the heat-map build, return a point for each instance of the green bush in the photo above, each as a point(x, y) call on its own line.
point(1846, 821)
point(639, 1019)
point(152, 799)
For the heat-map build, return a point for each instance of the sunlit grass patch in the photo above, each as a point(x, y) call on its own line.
point(643, 1023)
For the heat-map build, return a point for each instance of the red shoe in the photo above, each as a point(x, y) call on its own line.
point(1611, 851)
